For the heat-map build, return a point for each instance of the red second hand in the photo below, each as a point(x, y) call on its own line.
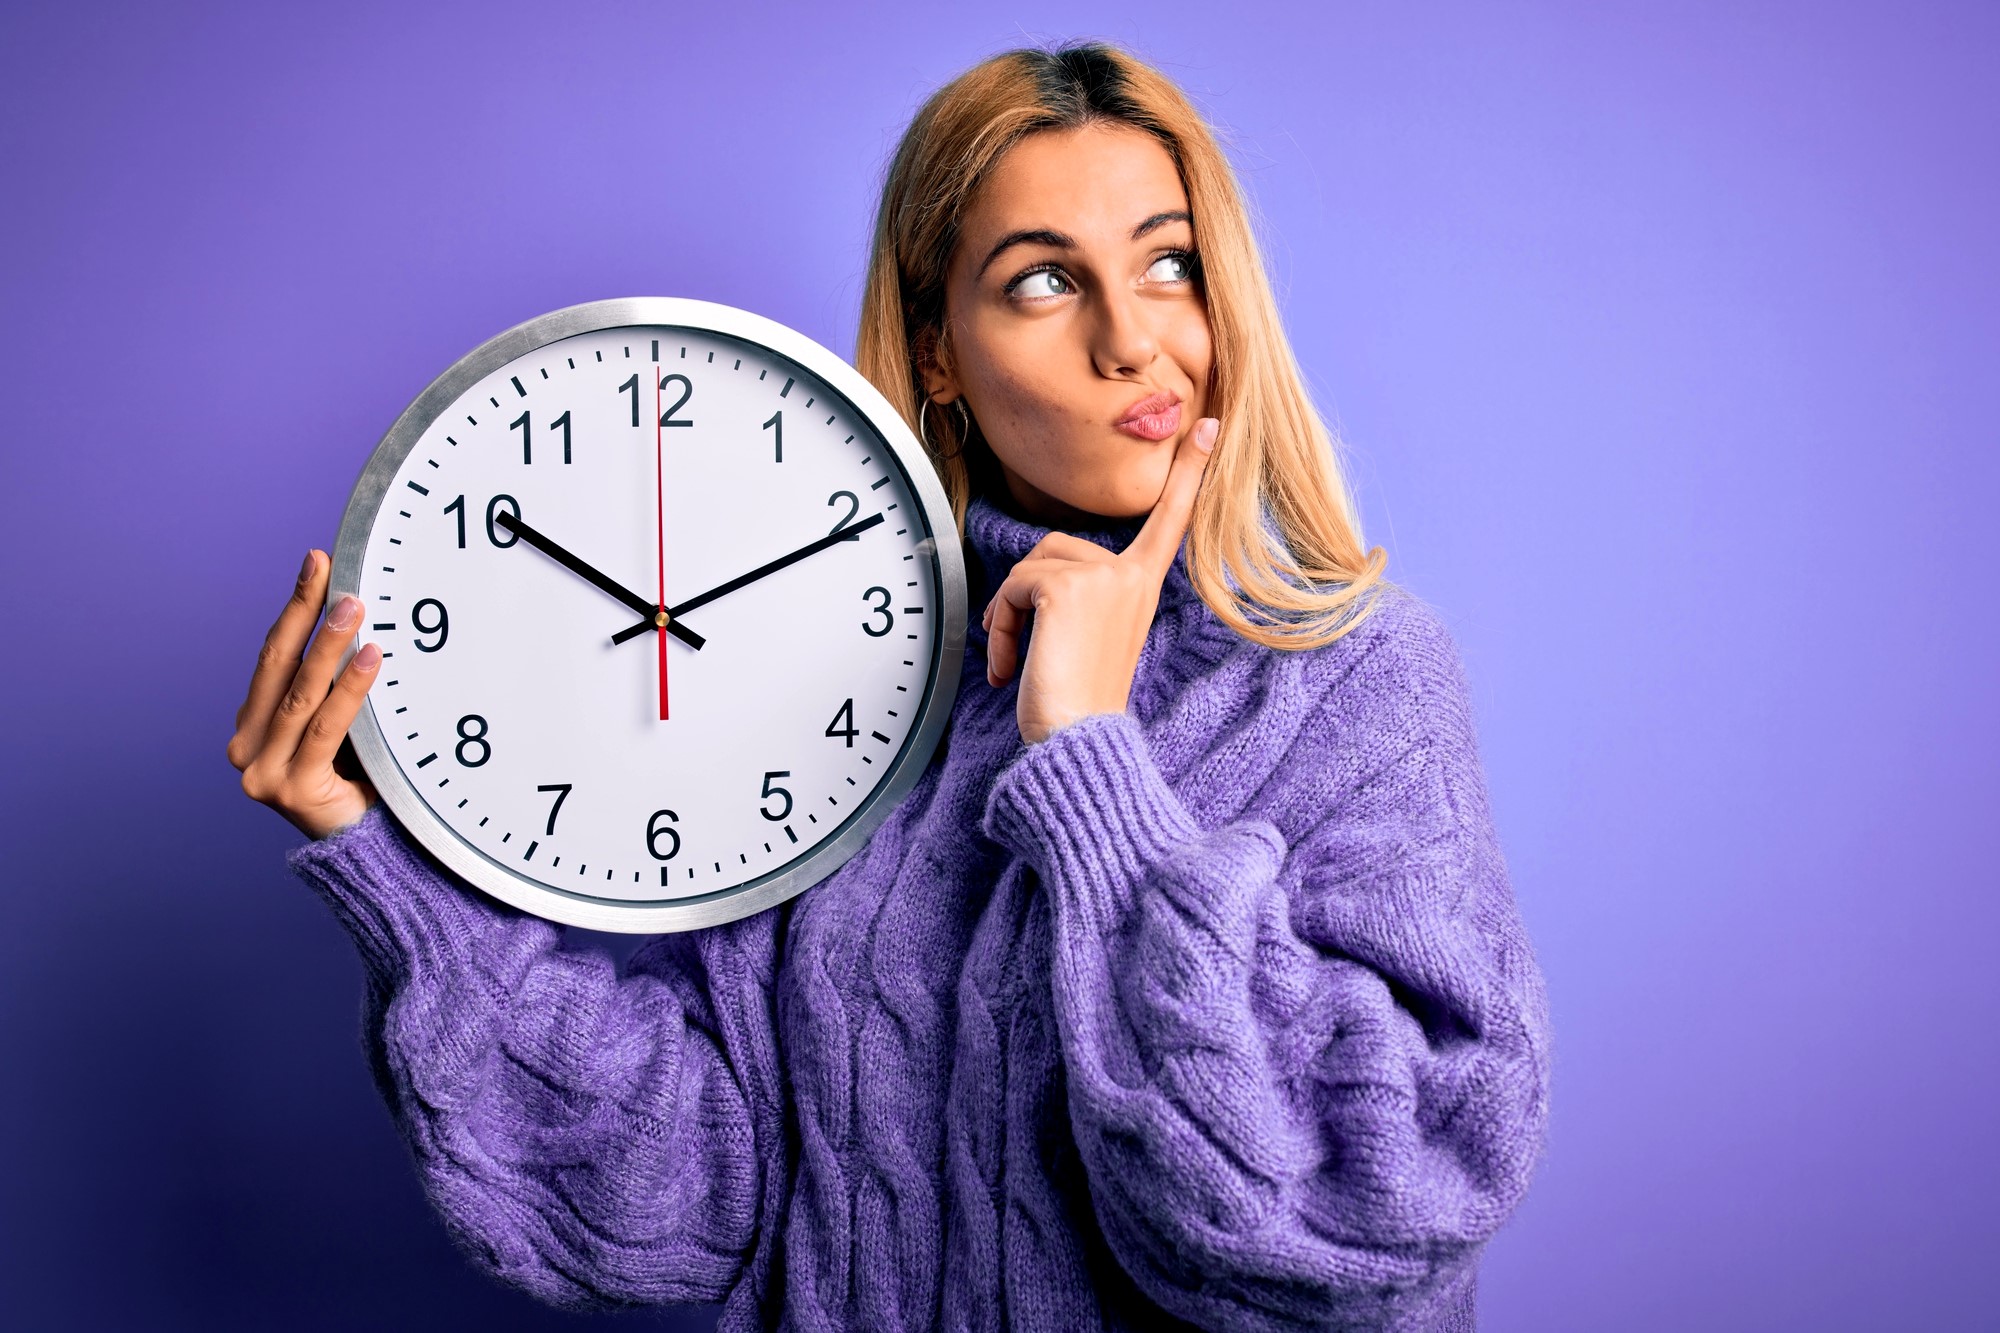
point(660, 538)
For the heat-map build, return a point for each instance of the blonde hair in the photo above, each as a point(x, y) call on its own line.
point(1274, 548)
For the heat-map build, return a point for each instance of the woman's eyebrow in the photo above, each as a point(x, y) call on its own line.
point(1057, 240)
point(1028, 236)
point(1158, 220)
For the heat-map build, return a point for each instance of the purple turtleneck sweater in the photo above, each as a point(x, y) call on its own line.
point(1216, 1012)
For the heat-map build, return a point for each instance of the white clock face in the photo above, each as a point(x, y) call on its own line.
point(673, 464)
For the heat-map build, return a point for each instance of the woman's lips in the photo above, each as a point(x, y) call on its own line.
point(1154, 418)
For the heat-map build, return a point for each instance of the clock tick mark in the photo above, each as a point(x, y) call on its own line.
point(809, 403)
point(711, 358)
point(387, 683)
point(894, 713)
point(879, 736)
point(788, 833)
point(465, 802)
point(762, 373)
point(404, 512)
point(453, 443)
point(904, 688)
point(483, 819)
point(395, 541)
point(572, 362)
point(663, 876)
point(767, 846)
point(900, 532)
point(444, 782)
point(829, 420)
point(545, 370)
point(833, 800)
point(684, 353)
point(529, 855)
point(600, 355)
point(388, 569)
point(432, 461)
point(515, 380)
point(413, 735)
point(866, 760)
point(382, 627)
point(738, 365)
point(404, 709)
point(813, 818)
point(850, 782)
point(505, 836)
point(656, 349)
point(628, 354)
point(743, 857)
point(879, 484)
point(473, 419)
point(427, 759)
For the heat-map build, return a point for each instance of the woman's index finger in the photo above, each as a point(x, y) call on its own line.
point(1159, 540)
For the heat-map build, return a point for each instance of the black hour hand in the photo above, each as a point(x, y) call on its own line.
point(852, 532)
point(603, 582)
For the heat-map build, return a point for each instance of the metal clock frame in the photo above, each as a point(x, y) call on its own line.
point(941, 687)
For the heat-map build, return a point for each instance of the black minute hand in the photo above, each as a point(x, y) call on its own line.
point(570, 562)
point(849, 533)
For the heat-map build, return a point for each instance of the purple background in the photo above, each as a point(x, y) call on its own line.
point(1664, 337)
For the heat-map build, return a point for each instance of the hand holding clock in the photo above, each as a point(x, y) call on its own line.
point(291, 725)
point(1092, 609)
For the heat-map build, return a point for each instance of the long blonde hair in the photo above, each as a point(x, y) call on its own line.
point(1274, 548)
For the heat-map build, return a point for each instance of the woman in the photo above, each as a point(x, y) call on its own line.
point(1187, 986)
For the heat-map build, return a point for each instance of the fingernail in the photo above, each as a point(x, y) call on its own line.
point(345, 613)
point(306, 570)
point(1205, 432)
point(369, 657)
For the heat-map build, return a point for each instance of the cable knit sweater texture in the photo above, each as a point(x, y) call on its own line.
point(1213, 1013)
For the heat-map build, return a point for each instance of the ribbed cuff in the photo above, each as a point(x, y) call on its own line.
point(406, 912)
point(1090, 810)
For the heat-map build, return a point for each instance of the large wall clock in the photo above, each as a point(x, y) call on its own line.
point(672, 608)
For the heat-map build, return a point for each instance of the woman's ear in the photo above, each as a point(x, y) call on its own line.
point(935, 362)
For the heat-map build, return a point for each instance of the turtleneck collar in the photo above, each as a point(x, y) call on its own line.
point(995, 541)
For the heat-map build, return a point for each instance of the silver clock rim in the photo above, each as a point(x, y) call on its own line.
point(659, 917)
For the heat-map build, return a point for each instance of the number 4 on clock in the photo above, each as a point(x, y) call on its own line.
point(836, 731)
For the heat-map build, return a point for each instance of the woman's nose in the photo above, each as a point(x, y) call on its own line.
point(1123, 339)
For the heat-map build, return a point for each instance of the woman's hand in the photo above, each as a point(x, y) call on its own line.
point(1092, 609)
point(290, 729)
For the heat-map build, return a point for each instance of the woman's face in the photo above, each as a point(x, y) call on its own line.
point(1075, 326)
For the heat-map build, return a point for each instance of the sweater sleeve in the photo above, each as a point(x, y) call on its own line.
point(596, 1139)
point(1306, 1049)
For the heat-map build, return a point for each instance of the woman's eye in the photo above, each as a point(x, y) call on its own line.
point(1042, 282)
point(1171, 268)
